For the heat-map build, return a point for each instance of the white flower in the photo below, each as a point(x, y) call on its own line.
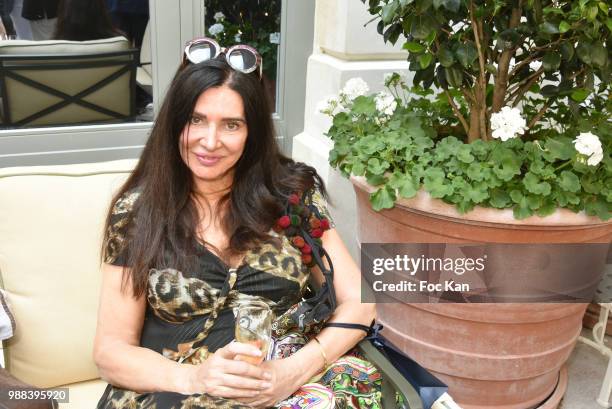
point(455, 28)
point(535, 65)
point(393, 79)
point(595, 158)
point(385, 103)
point(237, 38)
point(354, 88)
point(219, 16)
point(507, 123)
point(330, 106)
point(523, 19)
point(216, 29)
point(589, 145)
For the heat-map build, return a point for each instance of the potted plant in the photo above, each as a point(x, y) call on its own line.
point(503, 136)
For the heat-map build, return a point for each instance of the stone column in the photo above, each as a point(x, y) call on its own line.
point(343, 49)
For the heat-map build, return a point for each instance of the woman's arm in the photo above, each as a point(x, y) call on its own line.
point(291, 373)
point(122, 362)
point(347, 285)
point(120, 359)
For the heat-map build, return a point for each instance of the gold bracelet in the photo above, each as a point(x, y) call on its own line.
point(325, 362)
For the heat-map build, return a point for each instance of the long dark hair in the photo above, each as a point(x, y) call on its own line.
point(82, 20)
point(162, 225)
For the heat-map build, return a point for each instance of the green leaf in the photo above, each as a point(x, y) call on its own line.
point(564, 27)
point(476, 193)
point(364, 105)
point(599, 55)
point(559, 148)
point(423, 5)
point(598, 207)
point(580, 94)
point(445, 56)
point(549, 28)
point(425, 60)
point(383, 198)
point(466, 54)
point(551, 61)
point(534, 185)
point(413, 47)
point(609, 24)
point(454, 76)
point(507, 164)
point(377, 166)
point(534, 202)
point(388, 11)
point(475, 172)
point(404, 184)
point(516, 196)
point(592, 12)
point(431, 37)
point(522, 209)
point(436, 184)
point(358, 169)
point(584, 52)
point(422, 26)
point(547, 208)
point(499, 199)
point(569, 181)
point(549, 91)
point(464, 154)
point(567, 50)
point(452, 5)
point(375, 180)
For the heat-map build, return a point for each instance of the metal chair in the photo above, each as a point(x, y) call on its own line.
point(68, 88)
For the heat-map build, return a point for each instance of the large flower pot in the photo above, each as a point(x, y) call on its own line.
point(490, 355)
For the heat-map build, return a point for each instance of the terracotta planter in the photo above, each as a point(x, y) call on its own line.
point(490, 355)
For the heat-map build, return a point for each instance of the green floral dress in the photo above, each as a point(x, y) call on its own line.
point(189, 315)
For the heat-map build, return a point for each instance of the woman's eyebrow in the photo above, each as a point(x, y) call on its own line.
point(227, 119)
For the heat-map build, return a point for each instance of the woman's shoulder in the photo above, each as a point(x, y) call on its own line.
point(125, 203)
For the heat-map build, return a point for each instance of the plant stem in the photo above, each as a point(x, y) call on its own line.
point(517, 67)
point(458, 113)
point(501, 79)
point(522, 90)
point(481, 89)
point(539, 115)
point(563, 165)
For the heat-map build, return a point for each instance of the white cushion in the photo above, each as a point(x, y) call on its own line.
point(51, 221)
point(83, 394)
point(27, 47)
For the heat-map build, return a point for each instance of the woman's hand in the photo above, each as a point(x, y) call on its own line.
point(224, 376)
point(285, 380)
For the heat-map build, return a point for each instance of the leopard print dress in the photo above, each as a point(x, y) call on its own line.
point(190, 314)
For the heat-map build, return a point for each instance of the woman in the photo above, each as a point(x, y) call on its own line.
point(194, 233)
point(83, 20)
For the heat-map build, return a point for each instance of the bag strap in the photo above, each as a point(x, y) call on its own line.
point(328, 273)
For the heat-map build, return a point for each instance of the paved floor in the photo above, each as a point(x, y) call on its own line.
point(587, 367)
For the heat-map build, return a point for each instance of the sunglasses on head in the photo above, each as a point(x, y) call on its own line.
point(240, 57)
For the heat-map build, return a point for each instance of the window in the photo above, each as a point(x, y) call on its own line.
point(171, 25)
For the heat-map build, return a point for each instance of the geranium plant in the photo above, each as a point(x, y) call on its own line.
point(508, 107)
